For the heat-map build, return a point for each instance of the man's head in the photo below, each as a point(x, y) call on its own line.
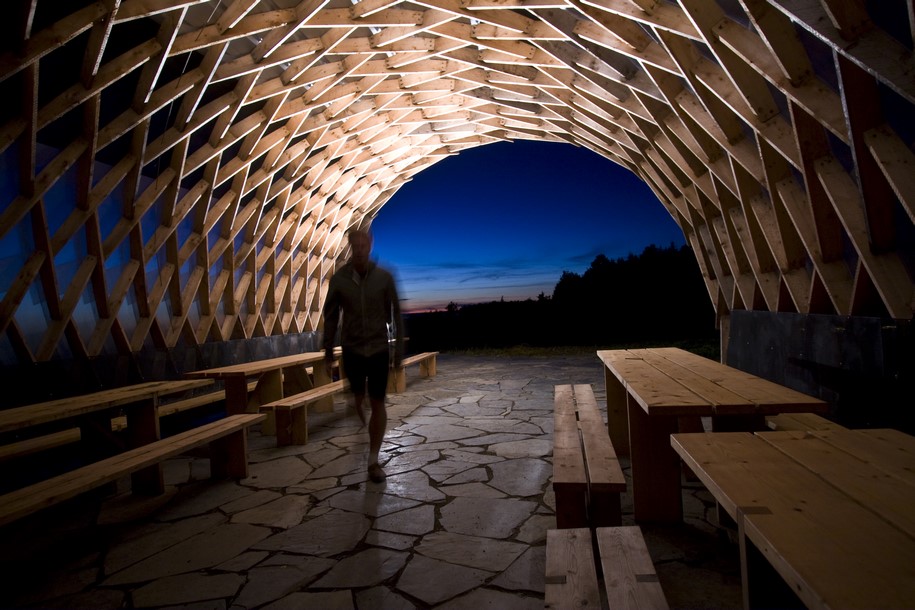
point(361, 244)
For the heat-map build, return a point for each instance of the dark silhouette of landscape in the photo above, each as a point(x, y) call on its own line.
point(656, 297)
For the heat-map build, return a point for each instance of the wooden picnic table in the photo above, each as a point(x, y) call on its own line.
point(653, 393)
point(825, 517)
point(270, 375)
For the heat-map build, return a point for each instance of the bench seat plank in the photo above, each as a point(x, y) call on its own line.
point(800, 422)
point(629, 575)
point(43, 494)
point(291, 412)
point(571, 573)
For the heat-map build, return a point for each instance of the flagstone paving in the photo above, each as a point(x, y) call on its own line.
point(460, 522)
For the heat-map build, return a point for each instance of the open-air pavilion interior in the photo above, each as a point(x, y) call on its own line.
point(179, 176)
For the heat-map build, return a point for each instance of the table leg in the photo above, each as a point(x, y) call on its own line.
point(656, 494)
point(142, 429)
point(236, 395)
point(269, 388)
point(738, 423)
point(326, 404)
point(617, 417)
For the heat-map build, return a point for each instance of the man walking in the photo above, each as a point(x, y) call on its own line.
point(366, 296)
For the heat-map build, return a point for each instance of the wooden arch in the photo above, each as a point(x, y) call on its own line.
point(185, 170)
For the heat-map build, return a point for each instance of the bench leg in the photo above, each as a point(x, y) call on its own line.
point(142, 429)
point(326, 404)
point(604, 509)
point(229, 456)
point(291, 426)
point(427, 368)
point(571, 506)
point(397, 380)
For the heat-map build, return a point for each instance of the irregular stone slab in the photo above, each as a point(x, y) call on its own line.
point(526, 573)
point(273, 452)
point(258, 498)
point(325, 456)
point(187, 588)
point(417, 521)
point(410, 461)
point(534, 529)
point(414, 485)
point(541, 403)
point(473, 455)
point(470, 399)
point(346, 464)
point(465, 410)
point(433, 419)
point(490, 599)
point(312, 486)
point(512, 426)
point(200, 498)
point(243, 562)
point(270, 583)
point(95, 598)
point(390, 540)
point(330, 534)
point(493, 518)
point(156, 537)
point(369, 503)
point(472, 490)
point(470, 551)
point(513, 384)
point(532, 447)
point(368, 568)
point(444, 432)
point(330, 600)
point(284, 512)
point(491, 439)
point(277, 473)
point(439, 446)
point(205, 550)
point(382, 597)
point(433, 581)
point(474, 475)
point(444, 469)
point(521, 477)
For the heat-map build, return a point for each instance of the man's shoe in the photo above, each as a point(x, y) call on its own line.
point(376, 474)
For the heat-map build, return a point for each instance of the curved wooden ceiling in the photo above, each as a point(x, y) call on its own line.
point(185, 170)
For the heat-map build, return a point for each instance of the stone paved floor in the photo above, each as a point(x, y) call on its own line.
point(460, 522)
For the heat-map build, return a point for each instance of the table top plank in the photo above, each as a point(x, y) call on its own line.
point(889, 450)
point(753, 388)
point(722, 399)
point(75, 406)
point(256, 367)
point(851, 473)
point(831, 550)
point(656, 392)
point(676, 382)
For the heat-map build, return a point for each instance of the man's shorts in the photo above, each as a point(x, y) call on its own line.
point(372, 369)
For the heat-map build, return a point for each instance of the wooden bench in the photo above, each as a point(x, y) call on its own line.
point(573, 576)
point(587, 477)
point(61, 438)
point(800, 422)
point(397, 381)
point(291, 412)
point(228, 442)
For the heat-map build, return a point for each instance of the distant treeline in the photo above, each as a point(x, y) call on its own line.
point(657, 296)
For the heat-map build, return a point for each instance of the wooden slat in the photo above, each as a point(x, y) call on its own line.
point(571, 576)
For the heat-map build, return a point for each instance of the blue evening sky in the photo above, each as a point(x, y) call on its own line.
point(505, 220)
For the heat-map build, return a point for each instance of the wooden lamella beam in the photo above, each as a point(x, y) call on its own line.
point(185, 172)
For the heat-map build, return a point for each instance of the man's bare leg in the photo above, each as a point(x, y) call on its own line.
point(377, 426)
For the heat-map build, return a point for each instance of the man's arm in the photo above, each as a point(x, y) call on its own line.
point(331, 315)
point(397, 319)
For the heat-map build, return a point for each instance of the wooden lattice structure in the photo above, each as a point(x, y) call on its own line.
point(183, 171)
